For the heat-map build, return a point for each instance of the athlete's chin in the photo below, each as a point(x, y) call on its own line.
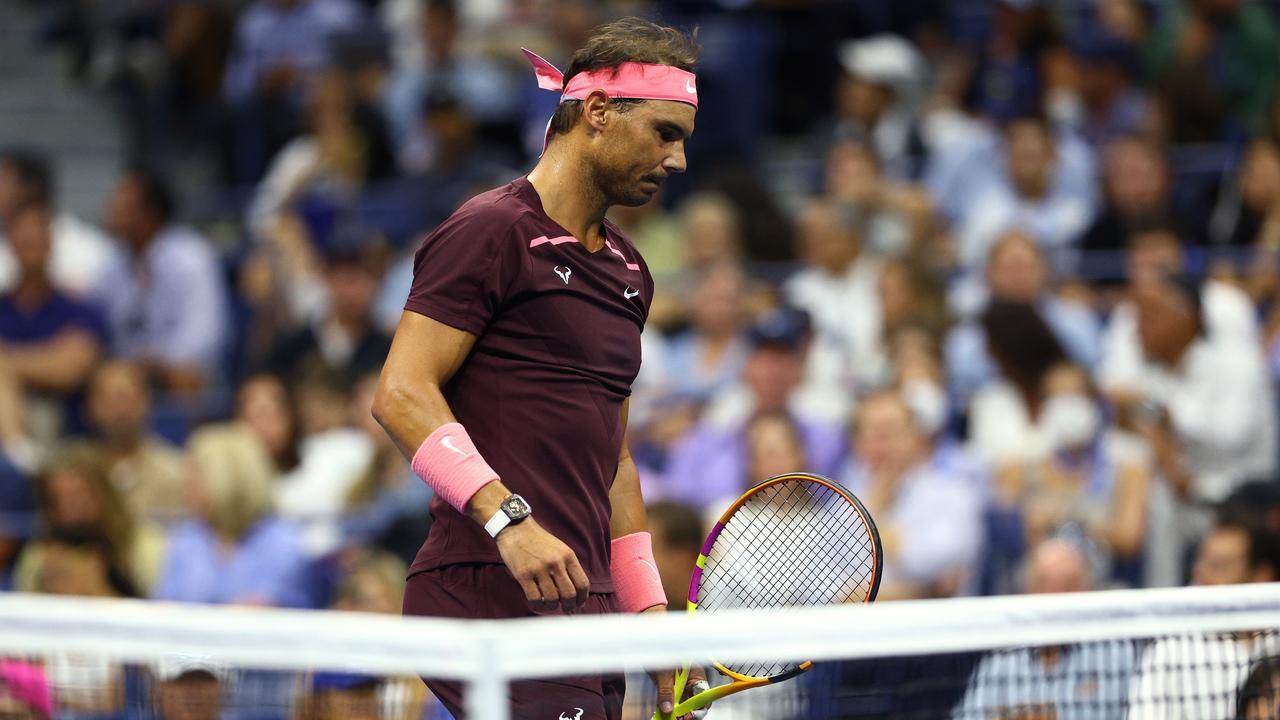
point(635, 199)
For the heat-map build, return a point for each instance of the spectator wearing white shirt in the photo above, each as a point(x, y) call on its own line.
point(838, 289)
point(1076, 682)
point(166, 297)
point(80, 252)
point(1027, 197)
point(1197, 677)
point(928, 552)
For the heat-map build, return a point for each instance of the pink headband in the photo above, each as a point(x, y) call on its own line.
point(26, 682)
point(630, 80)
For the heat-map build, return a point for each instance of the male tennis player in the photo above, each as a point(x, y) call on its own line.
point(508, 379)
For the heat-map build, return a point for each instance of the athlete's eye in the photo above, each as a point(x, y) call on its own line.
point(668, 133)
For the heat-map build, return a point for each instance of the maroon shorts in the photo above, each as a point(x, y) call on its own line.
point(485, 592)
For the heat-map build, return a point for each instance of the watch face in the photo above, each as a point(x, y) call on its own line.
point(515, 507)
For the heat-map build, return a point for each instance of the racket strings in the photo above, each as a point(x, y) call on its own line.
point(792, 543)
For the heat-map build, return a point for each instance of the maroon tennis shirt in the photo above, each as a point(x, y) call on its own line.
point(557, 346)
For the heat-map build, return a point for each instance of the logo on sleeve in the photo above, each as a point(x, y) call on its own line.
point(575, 717)
point(629, 293)
point(564, 271)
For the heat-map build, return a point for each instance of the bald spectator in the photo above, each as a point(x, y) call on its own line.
point(79, 252)
point(166, 296)
point(144, 468)
point(1076, 682)
point(927, 553)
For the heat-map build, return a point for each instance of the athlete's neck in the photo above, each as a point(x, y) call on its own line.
point(568, 195)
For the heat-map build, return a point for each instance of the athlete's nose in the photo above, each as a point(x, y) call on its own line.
point(675, 162)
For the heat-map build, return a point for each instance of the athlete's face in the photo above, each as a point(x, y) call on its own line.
point(640, 147)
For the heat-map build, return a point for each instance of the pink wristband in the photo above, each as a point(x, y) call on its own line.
point(451, 466)
point(635, 574)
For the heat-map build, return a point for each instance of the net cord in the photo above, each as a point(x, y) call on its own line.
point(490, 653)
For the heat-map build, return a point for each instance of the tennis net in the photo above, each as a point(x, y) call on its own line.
point(1191, 653)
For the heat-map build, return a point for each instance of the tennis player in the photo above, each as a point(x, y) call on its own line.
point(508, 380)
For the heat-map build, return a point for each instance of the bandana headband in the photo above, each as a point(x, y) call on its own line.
point(644, 81)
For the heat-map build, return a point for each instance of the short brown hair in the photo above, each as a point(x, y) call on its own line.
point(630, 39)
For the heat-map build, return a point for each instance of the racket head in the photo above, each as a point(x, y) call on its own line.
point(797, 539)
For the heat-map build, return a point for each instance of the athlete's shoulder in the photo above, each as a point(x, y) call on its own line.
point(491, 216)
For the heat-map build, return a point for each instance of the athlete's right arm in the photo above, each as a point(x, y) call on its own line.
point(410, 406)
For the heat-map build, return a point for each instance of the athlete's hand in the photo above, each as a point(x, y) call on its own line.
point(665, 680)
point(546, 568)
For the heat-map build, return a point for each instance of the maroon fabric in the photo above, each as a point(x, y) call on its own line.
point(486, 591)
point(558, 345)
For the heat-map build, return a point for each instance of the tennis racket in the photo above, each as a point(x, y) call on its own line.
point(793, 540)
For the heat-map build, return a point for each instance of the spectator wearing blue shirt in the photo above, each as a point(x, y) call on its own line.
point(49, 341)
point(236, 550)
point(166, 297)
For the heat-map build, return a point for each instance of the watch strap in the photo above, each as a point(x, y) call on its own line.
point(497, 523)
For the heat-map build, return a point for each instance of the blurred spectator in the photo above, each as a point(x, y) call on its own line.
point(1029, 198)
point(343, 343)
point(78, 252)
point(278, 48)
point(317, 471)
point(386, 506)
point(49, 340)
point(927, 554)
point(318, 176)
point(1007, 82)
point(710, 234)
point(1197, 676)
point(144, 468)
point(1254, 202)
point(677, 540)
point(484, 88)
point(910, 296)
point(1016, 273)
point(838, 288)
point(373, 583)
point(709, 356)
point(78, 500)
point(875, 99)
point(341, 696)
point(1260, 694)
point(166, 295)
point(81, 562)
point(1207, 402)
point(234, 549)
point(1136, 187)
point(1067, 682)
point(1214, 61)
point(1105, 102)
point(24, 691)
point(188, 687)
point(895, 217)
point(711, 461)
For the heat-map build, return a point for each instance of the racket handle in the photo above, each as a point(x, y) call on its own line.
point(705, 698)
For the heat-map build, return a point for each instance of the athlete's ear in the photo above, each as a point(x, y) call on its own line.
point(595, 110)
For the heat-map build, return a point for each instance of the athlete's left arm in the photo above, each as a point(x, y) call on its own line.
point(628, 504)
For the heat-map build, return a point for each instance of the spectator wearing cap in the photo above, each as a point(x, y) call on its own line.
point(166, 295)
point(49, 340)
point(79, 252)
point(710, 461)
point(927, 553)
point(188, 687)
point(838, 289)
point(876, 96)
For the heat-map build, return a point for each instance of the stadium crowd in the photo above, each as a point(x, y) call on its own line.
point(1010, 271)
